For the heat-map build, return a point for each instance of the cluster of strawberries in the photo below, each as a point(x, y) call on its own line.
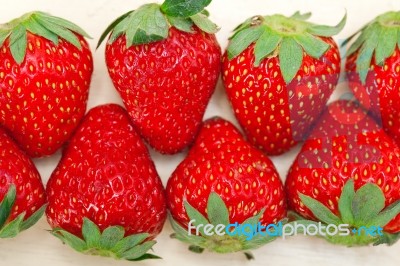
point(105, 196)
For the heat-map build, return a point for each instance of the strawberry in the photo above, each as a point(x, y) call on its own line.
point(105, 196)
point(228, 180)
point(278, 73)
point(348, 172)
point(373, 69)
point(45, 72)
point(22, 195)
point(165, 70)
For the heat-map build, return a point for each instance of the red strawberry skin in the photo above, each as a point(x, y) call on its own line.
point(222, 161)
point(380, 93)
point(166, 85)
point(17, 168)
point(106, 175)
point(275, 115)
point(346, 143)
point(44, 98)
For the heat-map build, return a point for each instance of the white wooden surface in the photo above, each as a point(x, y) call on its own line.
point(38, 247)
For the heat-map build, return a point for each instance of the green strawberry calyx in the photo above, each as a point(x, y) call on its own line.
point(151, 22)
point(378, 39)
point(12, 228)
point(286, 37)
point(40, 24)
point(361, 210)
point(218, 215)
point(112, 242)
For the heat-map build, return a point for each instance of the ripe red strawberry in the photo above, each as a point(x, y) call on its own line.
point(227, 180)
point(373, 69)
point(105, 193)
point(165, 71)
point(347, 172)
point(278, 73)
point(22, 195)
point(45, 72)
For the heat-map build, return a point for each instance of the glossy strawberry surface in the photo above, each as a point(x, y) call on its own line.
point(16, 168)
point(43, 99)
point(221, 161)
point(380, 93)
point(107, 176)
point(166, 85)
point(345, 144)
point(276, 115)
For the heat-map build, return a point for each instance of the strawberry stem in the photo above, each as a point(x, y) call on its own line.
point(285, 37)
point(379, 39)
point(361, 209)
point(218, 215)
point(109, 243)
point(41, 24)
point(151, 22)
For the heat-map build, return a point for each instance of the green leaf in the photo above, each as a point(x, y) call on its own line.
point(367, 50)
point(183, 8)
point(138, 251)
point(33, 219)
point(205, 12)
point(367, 203)
point(196, 249)
point(91, 233)
point(293, 216)
point(36, 28)
point(217, 211)
point(18, 43)
point(120, 28)
point(299, 16)
point(386, 45)
point(290, 58)
point(328, 31)
point(12, 228)
point(249, 255)
point(62, 23)
point(183, 234)
point(254, 219)
point(183, 24)
point(362, 31)
point(204, 23)
point(7, 204)
point(242, 40)
point(388, 239)
point(345, 202)
point(246, 24)
point(196, 217)
point(398, 38)
point(146, 24)
point(111, 27)
point(3, 36)
point(266, 44)
point(319, 210)
point(385, 216)
point(71, 240)
point(257, 241)
point(313, 46)
point(304, 222)
point(146, 256)
point(129, 242)
point(62, 32)
point(356, 45)
point(111, 236)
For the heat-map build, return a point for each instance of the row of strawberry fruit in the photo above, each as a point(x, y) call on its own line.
point(105, 196)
